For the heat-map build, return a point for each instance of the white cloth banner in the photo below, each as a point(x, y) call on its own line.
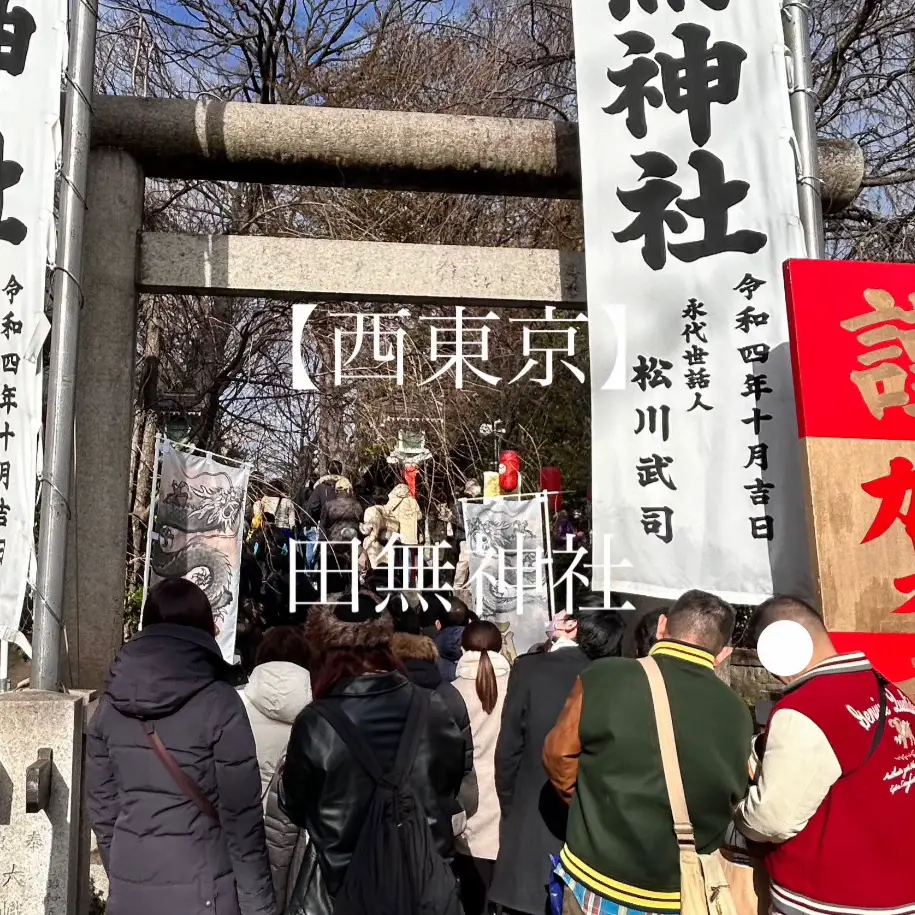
point(198, 530)
point(690, 206)
point(503, 536)
point(33, 41)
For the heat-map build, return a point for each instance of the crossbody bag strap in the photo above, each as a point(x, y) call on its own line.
point(683, 827)
point(882, 684)
point(349, 734)
point(179, 776)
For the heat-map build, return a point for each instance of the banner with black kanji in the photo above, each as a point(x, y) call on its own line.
point(690, 207)
point(33, 42)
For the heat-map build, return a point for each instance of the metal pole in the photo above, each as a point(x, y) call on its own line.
point(796, 22)
point(55, 483)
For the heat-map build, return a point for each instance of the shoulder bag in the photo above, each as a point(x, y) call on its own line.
point(704, 888)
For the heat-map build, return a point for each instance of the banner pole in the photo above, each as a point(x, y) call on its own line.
point(153, 501)
point(59, 432)
point(804, 102)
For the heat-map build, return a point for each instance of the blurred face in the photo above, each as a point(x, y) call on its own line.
point(562, 626)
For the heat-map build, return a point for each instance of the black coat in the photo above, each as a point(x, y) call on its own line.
point(533, 815)
point(163, 855)
point(327, 792)
point(448, 643)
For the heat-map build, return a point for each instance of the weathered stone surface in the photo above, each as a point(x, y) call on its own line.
point(747, 677)
point(97, 533)
point(309, 270)
point(39, 851)
point(342, 147)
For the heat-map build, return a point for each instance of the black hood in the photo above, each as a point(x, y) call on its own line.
point(162, 668)
point(422, 672)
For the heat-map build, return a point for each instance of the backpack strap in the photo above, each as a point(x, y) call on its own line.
point(683, 827)
point(349, 734)
point(413, 731)
point(362, 751)
point(187, 785)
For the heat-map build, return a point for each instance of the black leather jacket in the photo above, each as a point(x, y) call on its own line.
point(327, 792)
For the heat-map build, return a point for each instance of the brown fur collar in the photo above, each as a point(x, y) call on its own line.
point(324, 630)
point(414, 647)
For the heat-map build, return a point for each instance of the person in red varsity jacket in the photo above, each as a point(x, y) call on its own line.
point(834, 783)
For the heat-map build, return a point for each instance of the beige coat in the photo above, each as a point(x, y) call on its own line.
point(405, 509)
point(481, 835)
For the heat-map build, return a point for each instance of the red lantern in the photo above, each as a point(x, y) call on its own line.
point(509, 471)
point(551, 481)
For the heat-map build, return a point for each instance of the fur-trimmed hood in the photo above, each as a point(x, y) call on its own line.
point(327, 627)
point(409, 647)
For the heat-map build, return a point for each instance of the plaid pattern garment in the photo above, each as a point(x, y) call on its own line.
point(591, 903)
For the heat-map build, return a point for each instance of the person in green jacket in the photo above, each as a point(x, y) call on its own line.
point(604, 758)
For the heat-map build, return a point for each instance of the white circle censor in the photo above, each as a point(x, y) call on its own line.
point(784, 648)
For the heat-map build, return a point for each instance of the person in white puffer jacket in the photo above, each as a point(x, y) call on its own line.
point(278, 689)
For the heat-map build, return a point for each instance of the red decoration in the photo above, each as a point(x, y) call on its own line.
point(551, 480)
point(509, 471)
point(410, 475)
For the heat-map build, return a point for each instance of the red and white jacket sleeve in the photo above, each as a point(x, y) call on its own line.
point(798, 768)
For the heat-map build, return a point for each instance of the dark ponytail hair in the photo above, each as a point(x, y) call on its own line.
point(483, 636)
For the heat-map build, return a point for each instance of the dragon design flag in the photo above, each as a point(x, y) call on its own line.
point(197, 531)
point(513, 530)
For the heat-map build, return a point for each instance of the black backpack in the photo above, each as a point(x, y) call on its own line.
point(396, 868)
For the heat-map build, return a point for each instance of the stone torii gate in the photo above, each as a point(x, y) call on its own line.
point(134, 139)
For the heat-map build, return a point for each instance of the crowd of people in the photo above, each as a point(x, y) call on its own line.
point(399, 762)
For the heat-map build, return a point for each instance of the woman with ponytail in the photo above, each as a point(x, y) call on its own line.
point(482, 678)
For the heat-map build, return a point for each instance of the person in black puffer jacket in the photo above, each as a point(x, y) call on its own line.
point(324, 789)
point(162, 852)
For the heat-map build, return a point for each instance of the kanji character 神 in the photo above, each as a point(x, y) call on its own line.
point(11, 230)
point(620, 9)
point(16, 30)
point(650, 372)
point(652, 422)
point(565, 335)
point(883, 383)
point(659, 521)
point(651, 470)
point(701, 77)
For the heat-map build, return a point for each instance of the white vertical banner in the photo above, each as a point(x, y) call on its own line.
point(690, 207)
point(197, 532)
point(506, 539)
point(33, 42)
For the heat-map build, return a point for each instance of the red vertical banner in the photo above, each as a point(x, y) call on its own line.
point(853, 352)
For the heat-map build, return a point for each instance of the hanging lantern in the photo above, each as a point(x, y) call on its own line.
point(551, 481)
point(509, 471)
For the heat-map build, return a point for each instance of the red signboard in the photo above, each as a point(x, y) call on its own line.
point(853, 352)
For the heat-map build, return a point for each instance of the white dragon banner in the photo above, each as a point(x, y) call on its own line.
point(197, 531)
point(503, 537)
